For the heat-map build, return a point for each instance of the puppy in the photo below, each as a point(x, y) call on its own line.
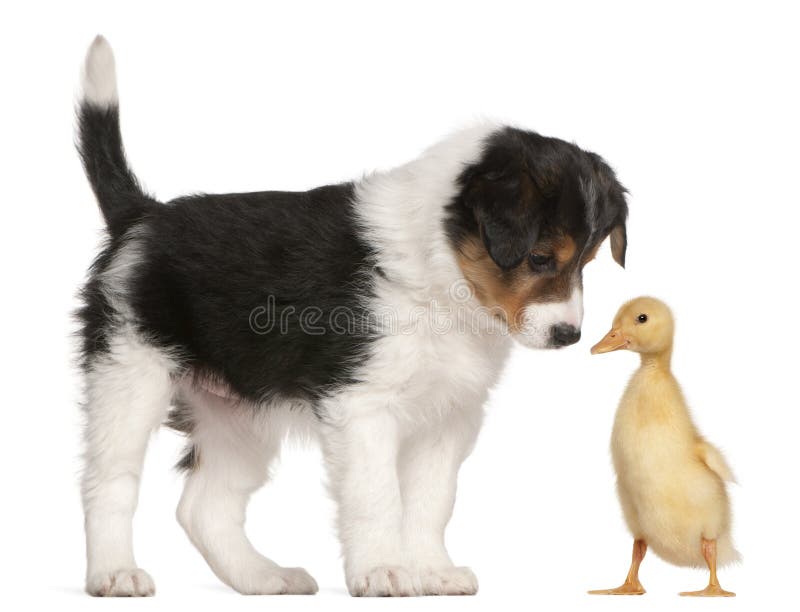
point(372, 315)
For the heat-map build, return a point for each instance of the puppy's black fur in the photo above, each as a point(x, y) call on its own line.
point(224, 281)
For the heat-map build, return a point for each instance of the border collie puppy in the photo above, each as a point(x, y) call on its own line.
point(373, 315)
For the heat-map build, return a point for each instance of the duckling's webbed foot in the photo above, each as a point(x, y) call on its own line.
point(631, 586)
point(712, 590)
point(709, 548)
point(628, 588)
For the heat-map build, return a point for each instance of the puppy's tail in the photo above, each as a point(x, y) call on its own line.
point(121, 198)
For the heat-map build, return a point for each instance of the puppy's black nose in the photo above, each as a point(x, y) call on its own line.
point(564, 334)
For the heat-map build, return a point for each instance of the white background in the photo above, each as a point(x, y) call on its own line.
point(696, 107)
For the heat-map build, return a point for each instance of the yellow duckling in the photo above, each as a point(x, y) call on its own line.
point(670, 481)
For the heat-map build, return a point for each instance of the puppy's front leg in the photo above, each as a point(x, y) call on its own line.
point(361, 455)
point(428, 467)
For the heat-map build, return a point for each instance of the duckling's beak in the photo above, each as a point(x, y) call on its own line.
point(612, 341)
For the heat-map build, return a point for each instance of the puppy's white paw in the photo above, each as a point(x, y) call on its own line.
point(449, 581)
point(276, 580)
point(387, 581)
point(132, 582)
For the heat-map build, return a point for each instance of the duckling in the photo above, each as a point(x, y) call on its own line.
point(670, 480)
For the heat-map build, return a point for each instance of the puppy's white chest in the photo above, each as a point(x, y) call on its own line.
point(435, 373)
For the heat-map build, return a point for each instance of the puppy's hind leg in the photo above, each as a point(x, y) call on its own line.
point(128, 390)
point(232, 447)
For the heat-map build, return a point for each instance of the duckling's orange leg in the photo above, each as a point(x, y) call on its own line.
point(713, 589)
point(631, 586)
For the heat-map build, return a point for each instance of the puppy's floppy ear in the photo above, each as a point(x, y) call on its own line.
point(614, 208)
point(619, 243)
point(508, 213)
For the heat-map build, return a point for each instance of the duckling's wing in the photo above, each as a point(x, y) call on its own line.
point(713, 458)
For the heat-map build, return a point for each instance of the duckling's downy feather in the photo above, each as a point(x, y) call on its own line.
point(715, 460)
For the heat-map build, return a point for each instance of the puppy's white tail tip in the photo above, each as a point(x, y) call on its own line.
point(100, 75)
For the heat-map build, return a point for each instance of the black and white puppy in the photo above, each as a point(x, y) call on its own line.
point(372, 315)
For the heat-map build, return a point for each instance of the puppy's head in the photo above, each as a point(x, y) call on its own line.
point(529, 215)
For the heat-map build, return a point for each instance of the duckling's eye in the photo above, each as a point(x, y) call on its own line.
point(642, 318)
point(539, 262)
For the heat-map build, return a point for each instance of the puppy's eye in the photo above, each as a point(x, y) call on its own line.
point(642, 318)
point(494, 175)
point(540, 262)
